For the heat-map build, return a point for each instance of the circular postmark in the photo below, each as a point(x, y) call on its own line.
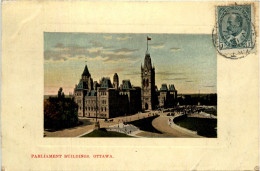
point(234, 34)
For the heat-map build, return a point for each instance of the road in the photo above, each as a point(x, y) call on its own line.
point(161, 124)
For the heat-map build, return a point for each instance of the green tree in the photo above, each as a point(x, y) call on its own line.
point(60, 112)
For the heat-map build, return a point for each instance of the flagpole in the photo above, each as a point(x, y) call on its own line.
point(147, 43)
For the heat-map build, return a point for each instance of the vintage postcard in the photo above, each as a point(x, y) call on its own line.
point(130, 85)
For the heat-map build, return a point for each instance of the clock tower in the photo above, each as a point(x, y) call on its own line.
point(148, 94)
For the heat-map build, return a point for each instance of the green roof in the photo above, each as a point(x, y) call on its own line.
point(106, 83)
point(126, 84)
point(164, 87)
point(82, 85)
point(171, 87)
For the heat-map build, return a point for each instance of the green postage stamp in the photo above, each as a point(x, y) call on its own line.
point(234, 35)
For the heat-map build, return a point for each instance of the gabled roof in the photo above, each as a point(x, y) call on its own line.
point(106, 83)
point(171, 87)
point(126, 84)
point(86, 72)
point(164, 87)
point(82, 85)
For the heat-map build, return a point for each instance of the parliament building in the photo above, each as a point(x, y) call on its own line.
point(105, 99)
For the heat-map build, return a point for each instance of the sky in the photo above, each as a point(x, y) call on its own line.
point(189, 61)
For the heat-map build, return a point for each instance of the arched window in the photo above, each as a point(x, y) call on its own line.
point(147, 83)
point(102, 109)
point(105, 109)
point(144, 82)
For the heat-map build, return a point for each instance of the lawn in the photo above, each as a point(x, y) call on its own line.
point(103, 133)
point(204, 127)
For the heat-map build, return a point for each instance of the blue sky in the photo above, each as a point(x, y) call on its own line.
point(186, 60)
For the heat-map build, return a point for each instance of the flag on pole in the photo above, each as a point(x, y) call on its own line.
point(148, 38)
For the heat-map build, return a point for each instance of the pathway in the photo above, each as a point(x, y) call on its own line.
point(88, 125)
point(161, 124)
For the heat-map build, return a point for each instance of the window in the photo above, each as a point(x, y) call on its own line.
point(147, 83)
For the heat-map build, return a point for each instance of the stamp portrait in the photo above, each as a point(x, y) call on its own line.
point(235, 35)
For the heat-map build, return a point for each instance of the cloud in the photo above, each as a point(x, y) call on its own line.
point(125, 50)
point(59, 45)
point(133, 73)
point(116, 70)
point(175, 49)
point(61, 52)
point(156, 44)
point(54, 55)
point(176, 79)
point(96, 43)
point(169, 73)
point(120, 61)
point(98, 58)
point(157, 47)
point(94, 50)
point(107, 37)
point(123, 38)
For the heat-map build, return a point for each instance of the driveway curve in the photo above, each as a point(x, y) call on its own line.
point(161, 124)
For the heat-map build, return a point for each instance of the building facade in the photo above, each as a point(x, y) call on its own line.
point(106, 100)
point(134, 96)
point(167, 97)
point(148, 94)
point(84, 86)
